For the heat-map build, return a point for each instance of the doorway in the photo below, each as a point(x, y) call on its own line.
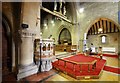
point(6, 49)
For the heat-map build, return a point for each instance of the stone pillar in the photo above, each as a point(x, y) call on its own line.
point(55, 5)
point(64, 8)
point(29, 16)
point(26, 64)
point(60, 9)
point(81, 45)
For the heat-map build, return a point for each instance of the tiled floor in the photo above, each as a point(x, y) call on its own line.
point(105, 76)
point(54, 75)
point(8, 78)
point(40, 76)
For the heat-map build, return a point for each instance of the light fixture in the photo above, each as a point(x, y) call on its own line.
point(45, 24)
point(81, 10)
point(40, 33)
point(52, 21)
point(100, 29)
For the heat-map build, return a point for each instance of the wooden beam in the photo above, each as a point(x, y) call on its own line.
point(116, 29)
point(108, 26)
point(90, 31)
point(97, 26)
point(93, 29)
point(112, 27)
point(58, 15)
point(104, 24)
point(101, 25)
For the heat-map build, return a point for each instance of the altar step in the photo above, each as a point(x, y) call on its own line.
point(74, 69)
point(62, 55)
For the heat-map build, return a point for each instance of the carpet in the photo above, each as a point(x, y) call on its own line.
point(84, 68)
point(112, 69)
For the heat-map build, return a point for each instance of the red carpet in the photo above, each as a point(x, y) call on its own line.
point(112, 69)
point(80, 58)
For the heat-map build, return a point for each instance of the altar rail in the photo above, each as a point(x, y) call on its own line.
point(93, 63)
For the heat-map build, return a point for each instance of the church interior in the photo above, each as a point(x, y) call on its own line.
point(60, 40)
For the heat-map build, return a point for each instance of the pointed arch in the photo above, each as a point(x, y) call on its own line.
point(65, 36)
point(7, 34)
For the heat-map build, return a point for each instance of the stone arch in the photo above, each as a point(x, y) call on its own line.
point(59, 30)
point(7, 60)
point(103, 18)
point(66, 33)
point(115, 29)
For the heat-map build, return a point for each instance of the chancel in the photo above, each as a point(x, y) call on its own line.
point(60, 40)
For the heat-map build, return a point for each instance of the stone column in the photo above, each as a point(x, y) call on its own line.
point(64, 8)
point(29, 16)
point(81, 45)
point(55, 5)
point(60, 9)
point(26, 64)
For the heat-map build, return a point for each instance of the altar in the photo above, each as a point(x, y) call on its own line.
point(44, 53)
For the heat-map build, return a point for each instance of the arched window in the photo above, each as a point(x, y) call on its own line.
point(103, 39)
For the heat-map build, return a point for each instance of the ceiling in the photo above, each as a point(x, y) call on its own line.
point(49, 6)
point(107, 25)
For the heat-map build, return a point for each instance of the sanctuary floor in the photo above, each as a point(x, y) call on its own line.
point(55, 76)
point(59, 76)
point(105, 76)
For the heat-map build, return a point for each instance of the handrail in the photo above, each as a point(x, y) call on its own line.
point(93, 63)
point(77, 62)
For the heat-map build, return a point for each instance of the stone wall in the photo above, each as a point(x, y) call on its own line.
point(111, 40)
point(55, 28)
point(94, 11)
